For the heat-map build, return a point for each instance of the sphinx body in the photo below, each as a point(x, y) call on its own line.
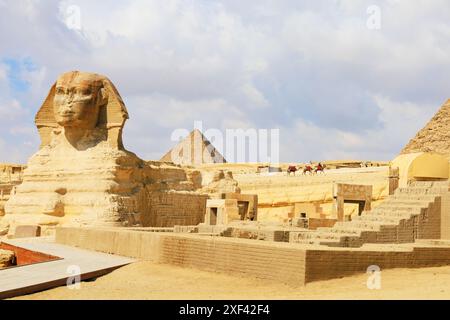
point(97, 185)
point(82, 173)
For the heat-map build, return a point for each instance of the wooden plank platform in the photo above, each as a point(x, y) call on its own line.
point(22, 280)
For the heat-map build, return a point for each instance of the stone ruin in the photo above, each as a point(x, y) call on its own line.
point(83, 175)
point(351, 193)
point(10, 176)
point(195, 149)
point(222, 183)
point(226, 203)
point(434, 136)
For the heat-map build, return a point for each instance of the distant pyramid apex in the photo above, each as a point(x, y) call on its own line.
point(195, 149)
point(435, 136)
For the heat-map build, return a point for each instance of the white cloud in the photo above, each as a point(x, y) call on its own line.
point(153, 118)
point(400, 121)
point(254, 96)
point(11, 110)
point(310, 68)
point(308, 142)
point(3, 73)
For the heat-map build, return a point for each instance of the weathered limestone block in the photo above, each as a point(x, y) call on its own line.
point(30, 231)
point(434, 136)
point(4, 227)
point(168, 209)
point(221, 211)
point(10, 174)
point(222, 183)
point(278, 194)
point(6, 258)
point(195, 149)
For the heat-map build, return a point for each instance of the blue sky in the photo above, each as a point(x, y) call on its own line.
point(313, 69)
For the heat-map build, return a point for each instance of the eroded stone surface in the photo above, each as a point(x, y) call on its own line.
point(222, 182)
point(27, 231)
point(195, 149)
point(6, 258)
point(434, 136)
point(82, 173)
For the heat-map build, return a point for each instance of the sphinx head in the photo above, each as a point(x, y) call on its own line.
point(78, 99)
point(79, 102)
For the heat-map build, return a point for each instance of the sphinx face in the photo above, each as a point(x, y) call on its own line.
point(77, 101)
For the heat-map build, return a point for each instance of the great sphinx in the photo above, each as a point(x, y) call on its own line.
point(82, 172)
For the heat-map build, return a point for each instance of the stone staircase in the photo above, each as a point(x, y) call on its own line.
point(411, 213)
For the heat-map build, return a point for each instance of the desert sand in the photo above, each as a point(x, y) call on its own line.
point(147, 280)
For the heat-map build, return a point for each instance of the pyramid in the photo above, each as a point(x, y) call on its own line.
point(195, 149)
point(435, 136)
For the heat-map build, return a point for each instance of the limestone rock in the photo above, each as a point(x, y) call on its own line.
point(195, 149)
point(222, 183)
point(281, 197)
point(27, 231)
point(4, 231)
point(10, 174)
point(82, 173)
point(435, 136)
point(6, 258)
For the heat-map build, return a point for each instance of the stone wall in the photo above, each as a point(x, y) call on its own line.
point(344, 192)
point(5, 191)
point(258, 233)
point(252, 201)
point(10, 176)
point(330, 264)
point(314, 223)
point(425, 225)
point(278, 194)
point(445, 216)
point(221, 211)
point(428, 224)
point(11, 173)
point(234, 256)
point(283, 262)
point(167, 209)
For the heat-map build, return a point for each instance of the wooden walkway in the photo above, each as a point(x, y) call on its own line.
point(22, 280)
